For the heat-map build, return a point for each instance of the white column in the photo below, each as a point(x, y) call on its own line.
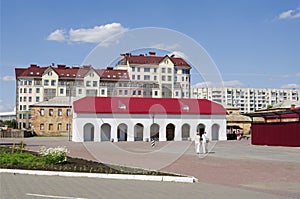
point(130, 131)
point(146, 133)
point(162, 132)
point(178, 135)
point(114, 132)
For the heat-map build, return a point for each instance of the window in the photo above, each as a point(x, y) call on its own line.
point(37, 99)
point(182, 79)
point(68, 112)
point(120, 92)
point(102, 92)
point(155, 78)
point(133, 77)
point(125, 92)
point(50, 127)
point(53, 82)
point(163, 78)
point(155, 93)
point(20, 116)
point(50, 73)
point(154, 70)
point(139, 92)
point(29, 99)
point(59, 112)
point(169, 78)
point(30, 90)
point(25, 90)
point(88, 83)
point(25, 99)
point(46, 82)
point(20, 90)
point(41, 127)
point(59, 125)
point(25, 83)
point(169, 70)
point(176, 94)
point(67, 126)
point(21, 107)
point(138, 69)
point(146, 69)
point(138, 77)
point(80, 91)
point(133, 92)
point(133, 69)
point(20, 99)
point(146, 77)
point(29, 82)
point(163, 70)
point(24, 107)
point(50, 112)
point(91, 74)
point(94, 83)
point(61, 91)
point(37, 90)
point(42, 112)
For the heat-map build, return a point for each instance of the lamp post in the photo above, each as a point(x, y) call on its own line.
point(69, 115)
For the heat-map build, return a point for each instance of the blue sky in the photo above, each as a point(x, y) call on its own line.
point(253, 43)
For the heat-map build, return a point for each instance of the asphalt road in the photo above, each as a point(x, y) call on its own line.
point(28, 186)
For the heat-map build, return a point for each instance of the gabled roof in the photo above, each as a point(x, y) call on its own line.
point(144, 59)
point(124, 105)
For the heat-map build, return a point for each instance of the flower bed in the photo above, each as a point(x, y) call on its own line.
point(56, 159)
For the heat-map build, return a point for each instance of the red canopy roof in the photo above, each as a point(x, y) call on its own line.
point(126, 105)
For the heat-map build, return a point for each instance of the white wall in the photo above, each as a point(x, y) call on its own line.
point(114, 120)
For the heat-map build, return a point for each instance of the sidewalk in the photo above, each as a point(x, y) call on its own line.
point(238, 164)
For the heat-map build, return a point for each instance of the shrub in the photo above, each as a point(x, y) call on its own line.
point(55, 155)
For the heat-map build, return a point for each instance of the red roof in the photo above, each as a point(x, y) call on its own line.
point(112, 74)
point(125, 105)
point(70, 72)
point(143, 59)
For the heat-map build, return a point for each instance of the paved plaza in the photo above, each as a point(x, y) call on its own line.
point(235, 167)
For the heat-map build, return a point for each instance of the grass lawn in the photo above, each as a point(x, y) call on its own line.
point(18, 158)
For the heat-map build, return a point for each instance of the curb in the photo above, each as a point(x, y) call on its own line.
point(102, 175)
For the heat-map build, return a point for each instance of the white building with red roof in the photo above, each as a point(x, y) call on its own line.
point(143, 119)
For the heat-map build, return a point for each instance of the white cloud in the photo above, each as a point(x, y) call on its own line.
point(57, 35)
point(291, 86)
point(232, 83)
point(290, 14)
point(298, 74)
point(96, 34)
point(7, 78)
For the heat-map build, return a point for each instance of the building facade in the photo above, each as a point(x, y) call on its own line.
point(247, 99)
point(116, 119)
point(134, 76)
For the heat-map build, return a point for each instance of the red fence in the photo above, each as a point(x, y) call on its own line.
point(276, 134)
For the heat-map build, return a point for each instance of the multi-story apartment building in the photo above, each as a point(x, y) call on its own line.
point(247, 99)
point(159, 76)
point(134, 76)
point(37, 84)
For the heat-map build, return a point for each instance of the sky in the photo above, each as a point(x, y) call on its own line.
point(252, 43)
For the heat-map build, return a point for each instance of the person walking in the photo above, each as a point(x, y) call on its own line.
point(205, 143)
point(197, 142)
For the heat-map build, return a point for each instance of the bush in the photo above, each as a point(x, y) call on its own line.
point(54, 155)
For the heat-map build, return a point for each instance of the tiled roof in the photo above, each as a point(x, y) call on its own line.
point(71, 72)
point(124, 105)
point(144, 59)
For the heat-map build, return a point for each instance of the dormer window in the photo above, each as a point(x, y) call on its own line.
point(185, 107)
point(37, 73)
point(74, 75)
point(31, 73)
point(62, 74)
point(68, 74)
point(122, 106)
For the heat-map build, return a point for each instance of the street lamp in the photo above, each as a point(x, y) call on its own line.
point(69, 115)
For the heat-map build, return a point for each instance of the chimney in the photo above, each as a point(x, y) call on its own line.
point(33, 65)
point(122, 56)
point(293, 106)
point(152, 53)
point(61, 65)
